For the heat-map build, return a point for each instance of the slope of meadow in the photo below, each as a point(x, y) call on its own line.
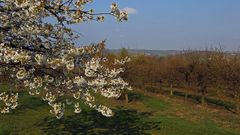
point(145, 114)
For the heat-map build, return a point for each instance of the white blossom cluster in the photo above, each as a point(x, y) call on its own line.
point(105, 111)
point(58, 109)
point(77, 108)
point(69, 11)
point(9, 54)
point(41, 77)
point(10, 101)
point(41, 57)
point(120, 15)
point(122, 62)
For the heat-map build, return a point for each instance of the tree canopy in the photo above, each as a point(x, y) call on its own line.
point(41, 57)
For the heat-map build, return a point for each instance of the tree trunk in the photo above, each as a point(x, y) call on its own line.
point(237, 108)
point(160, 86)
point(203, 96)
point(126, 98)
point(171, 89)
point(237, 100)
point(202, 90)
point(219, 91)
point(203, 99)
point(186, 96)
point(187, 87)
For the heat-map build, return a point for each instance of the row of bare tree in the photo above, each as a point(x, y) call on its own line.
point(197, 72)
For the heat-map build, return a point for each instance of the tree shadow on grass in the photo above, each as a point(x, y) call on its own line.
point(124, 122)
point(27, 102)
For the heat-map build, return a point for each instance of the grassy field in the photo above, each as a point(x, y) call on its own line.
point(145, 114)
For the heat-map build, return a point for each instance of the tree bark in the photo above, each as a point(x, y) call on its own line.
point(126, 98)
point(171, 89)
point(203, 99)
point(186, 96)
point(187, 87)
point(202, 90)
point(203, 96)
point(160, 86)
point(237, 108)
point(237, 100)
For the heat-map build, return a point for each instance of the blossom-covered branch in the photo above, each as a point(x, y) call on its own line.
point(41, 56)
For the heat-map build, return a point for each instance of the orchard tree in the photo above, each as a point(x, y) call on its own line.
point(171, 75)
point(231, 76)
point(217, 62)
point(40, 56)
point(186, 68)
point(137, 69)
point(203, 74)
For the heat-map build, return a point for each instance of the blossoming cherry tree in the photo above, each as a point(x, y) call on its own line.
point(40, 56)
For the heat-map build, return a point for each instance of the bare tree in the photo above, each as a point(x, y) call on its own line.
point(231, 76)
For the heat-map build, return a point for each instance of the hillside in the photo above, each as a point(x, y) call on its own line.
point(147, 113)
point(147, 52)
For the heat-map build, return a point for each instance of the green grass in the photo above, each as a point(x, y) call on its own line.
point(179, 126)
point(171, 124)
point(146, 114)
point(155, 104)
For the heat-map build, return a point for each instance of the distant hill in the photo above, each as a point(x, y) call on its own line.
point(161, 52)
point(147, 52)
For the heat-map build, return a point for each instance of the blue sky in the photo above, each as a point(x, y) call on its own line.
point(167, 24)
